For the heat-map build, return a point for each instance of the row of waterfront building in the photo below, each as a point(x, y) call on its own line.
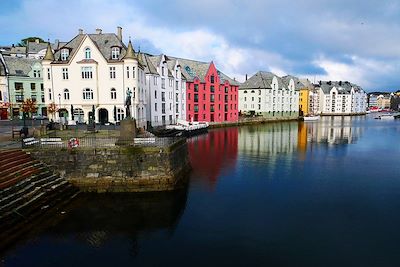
point(90, 76)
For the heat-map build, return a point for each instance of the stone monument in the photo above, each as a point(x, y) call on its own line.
point(128, 125)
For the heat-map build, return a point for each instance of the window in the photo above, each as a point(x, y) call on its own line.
point(155, 94)
point(212, 98)
point(155, 106)
point(133, 73)
point(19, 86)
point(196, 87)
point(33, 97)
point(127, 72)
point(19, 98)
point(115, 52)
point(212, 88)
point(170, 82)
point(155, 80)
point(113, 93)
point(66, 94)
point(88, 53)
point(33, 86)
point(162, 96)
point(112, 72)
point(177, 108)
point(36, 73)
point(87, 94)
point(49, 94)
point(64, 54)
point(120, 114)
point(212, 79)
point(196, 98)
point(163, 83)
point(162, 71)
point(48, 74)
point(87, 72)
point(65, 73)
point(176, 85)
point(163, 108)
point(196, 108)
point(42, 96)
point(41, 87)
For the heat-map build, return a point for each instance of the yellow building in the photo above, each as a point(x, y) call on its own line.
point(304, 101)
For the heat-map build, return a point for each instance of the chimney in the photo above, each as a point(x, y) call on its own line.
point(80, 31)
point(98, 31)
point(119, 33)
point(246, 76)
point(37, 40)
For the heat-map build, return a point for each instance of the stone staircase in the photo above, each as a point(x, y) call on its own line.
point(28, 189)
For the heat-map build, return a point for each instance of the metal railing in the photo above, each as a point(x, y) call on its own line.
point(97, 142)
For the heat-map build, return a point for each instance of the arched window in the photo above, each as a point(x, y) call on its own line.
point(66, 94)
point(87, 94)
point(64, 54)
point(113, 93)
point(115, 52)
point(88, 53)
point(245, 92)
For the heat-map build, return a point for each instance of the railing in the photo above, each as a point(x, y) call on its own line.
point(97, 142)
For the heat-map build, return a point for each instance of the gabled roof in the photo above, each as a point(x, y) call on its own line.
point(261, 79)
point(104, 42)
point(148, 65)
point(297, 83)
point(20, 66)
point(343, 87)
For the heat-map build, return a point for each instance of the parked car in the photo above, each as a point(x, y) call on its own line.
point(39, 117)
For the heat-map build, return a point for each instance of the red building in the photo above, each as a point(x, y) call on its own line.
point(210, 95)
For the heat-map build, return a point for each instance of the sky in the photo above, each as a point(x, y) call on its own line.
point(349, 40)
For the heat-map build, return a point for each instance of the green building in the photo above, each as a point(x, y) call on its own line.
point(25, 80)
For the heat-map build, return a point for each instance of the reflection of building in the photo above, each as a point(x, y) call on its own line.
point(268, 95)
point(334, 130)
point(395, 101)
point(269, 139)
point(25, 80)
point(211, 153)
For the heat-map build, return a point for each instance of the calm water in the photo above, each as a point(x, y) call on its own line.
point(284, 194)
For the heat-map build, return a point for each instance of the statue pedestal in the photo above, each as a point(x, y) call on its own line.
point(127, 131)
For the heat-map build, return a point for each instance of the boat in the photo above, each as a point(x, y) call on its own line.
point(387, 116)
point(311, 118)
point(185, 128)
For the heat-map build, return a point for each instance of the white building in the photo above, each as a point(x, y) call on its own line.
point(338, 98)
point(166, 89)
point(94, 72)
point(4, 98)
point(265, 94)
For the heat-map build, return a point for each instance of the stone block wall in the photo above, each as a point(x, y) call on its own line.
point(120, 169)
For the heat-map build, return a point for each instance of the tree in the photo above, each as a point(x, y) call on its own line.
point(52, 109)
point(29, 106)
point(24, 42)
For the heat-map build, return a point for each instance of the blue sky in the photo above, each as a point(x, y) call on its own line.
point(350, 40)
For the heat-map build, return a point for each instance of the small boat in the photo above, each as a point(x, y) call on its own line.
point(311, 118)
point(387, 116)
point(188, 128)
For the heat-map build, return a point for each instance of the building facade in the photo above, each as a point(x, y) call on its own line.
point(24, 80)
point(4, 99)
point(338, 98)
point(383, 101)
point(266, 94)
point(90, 77)
point(211, 96)
point(166, 89)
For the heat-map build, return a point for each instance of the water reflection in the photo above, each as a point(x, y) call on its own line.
point(98, 221)
point(213, 152)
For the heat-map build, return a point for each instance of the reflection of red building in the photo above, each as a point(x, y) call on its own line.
point(210, 95)
point(212, 153)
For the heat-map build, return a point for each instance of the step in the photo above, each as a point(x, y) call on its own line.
point(21, 165)
point(26, 185)
point(20, 171)
point(12, 180)
point(10, 153)
point(20, 201)
point(11, 157)
point(18, 186)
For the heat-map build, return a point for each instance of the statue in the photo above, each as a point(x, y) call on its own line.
point(128, 103)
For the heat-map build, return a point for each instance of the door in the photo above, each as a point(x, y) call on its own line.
point(103, 116)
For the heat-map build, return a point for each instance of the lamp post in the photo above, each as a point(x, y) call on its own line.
point(59, 109)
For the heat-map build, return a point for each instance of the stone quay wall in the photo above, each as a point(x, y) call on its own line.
point(120, 168)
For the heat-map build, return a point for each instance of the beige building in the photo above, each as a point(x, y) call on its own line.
point(95, 73)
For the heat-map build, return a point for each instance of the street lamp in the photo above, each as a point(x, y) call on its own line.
point(59, 109)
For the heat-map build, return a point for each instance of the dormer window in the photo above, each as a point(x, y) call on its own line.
point(115, 52)
point(64, 54)
point(88, 53)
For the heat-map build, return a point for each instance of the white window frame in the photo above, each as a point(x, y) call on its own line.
point(113, 93)
point(115, 52)
point(88, 53)
point(65, 73)
point(87, 94)
point(64, 54)
point(66, 94)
